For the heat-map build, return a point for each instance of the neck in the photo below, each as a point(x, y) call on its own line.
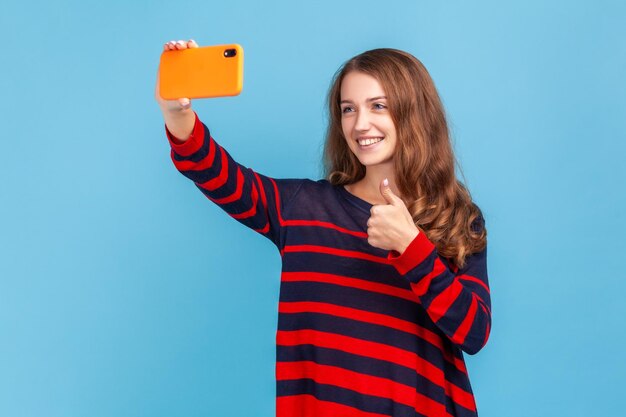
point(370, 184)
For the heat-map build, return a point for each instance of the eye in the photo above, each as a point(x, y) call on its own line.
point(382, 106)
point(345, 108)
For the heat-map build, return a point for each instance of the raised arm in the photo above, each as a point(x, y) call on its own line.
point(253, 199)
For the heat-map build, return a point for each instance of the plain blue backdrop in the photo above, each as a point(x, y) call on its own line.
point(125, 292)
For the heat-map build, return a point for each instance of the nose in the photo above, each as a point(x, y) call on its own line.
point(362, 121)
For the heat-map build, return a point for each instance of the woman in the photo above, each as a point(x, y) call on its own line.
point(384, 274)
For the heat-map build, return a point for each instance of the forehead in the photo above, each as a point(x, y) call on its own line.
point(358, 86)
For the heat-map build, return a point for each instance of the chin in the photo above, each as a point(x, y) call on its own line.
point(373, 162)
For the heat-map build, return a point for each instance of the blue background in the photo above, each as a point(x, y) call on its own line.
point(125, 292)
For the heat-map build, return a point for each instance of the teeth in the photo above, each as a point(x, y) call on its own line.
point(364, 142)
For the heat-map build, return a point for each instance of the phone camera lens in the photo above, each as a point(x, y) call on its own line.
point(229, 53)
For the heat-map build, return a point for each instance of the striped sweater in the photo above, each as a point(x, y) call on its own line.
point(362, 331)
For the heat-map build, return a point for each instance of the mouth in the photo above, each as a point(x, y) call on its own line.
point(370, 142)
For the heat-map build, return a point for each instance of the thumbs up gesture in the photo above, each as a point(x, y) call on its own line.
point(390, 225)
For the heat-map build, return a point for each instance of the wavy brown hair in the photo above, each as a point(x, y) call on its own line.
point(440, 204)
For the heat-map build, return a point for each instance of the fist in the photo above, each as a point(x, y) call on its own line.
point(390, 225)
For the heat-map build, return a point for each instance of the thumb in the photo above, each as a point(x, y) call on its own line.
point(388, 195)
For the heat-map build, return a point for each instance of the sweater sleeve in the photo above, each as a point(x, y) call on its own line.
point(458, 302)
point(253, 199)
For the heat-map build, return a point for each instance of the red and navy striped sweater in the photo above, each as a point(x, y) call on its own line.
point(362, 332)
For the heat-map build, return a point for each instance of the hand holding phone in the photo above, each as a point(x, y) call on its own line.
point(189, 71)
point(183, 102)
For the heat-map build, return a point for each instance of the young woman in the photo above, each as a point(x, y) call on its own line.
point(384, 270)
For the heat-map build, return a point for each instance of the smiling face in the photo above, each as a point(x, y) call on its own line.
point(365, 120)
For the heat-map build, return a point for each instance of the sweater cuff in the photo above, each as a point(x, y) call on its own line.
point(192, 144)
point(414, 254)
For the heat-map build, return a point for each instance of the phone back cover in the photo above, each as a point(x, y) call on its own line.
point(201, 72)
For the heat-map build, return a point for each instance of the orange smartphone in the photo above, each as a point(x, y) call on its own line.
point(208, 71)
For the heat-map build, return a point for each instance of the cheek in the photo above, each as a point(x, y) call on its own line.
point(390, 125)
point(345, 129)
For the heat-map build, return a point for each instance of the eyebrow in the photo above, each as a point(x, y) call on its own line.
point(369, 99)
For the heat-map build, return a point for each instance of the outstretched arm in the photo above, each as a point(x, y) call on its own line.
point(255, 200)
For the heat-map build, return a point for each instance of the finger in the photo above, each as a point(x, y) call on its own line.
point(192, 44)
point(181, 45)
point(385, 191)
point(388, 194)
point(377, 209)
point(185, 103)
